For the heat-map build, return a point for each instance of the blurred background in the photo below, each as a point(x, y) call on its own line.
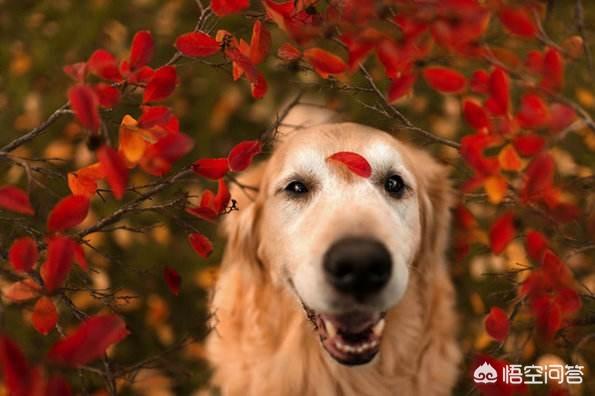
point(40, 37)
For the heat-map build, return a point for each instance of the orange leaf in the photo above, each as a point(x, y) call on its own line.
point(509, 159)
point(324, 63)
point(496, 187)
point(45, 315)
point(132, 143)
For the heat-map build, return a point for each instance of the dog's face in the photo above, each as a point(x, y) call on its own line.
point(344, 244)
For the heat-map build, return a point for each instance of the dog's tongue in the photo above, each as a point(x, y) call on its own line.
point(355, 322)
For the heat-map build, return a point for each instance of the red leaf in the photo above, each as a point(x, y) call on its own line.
point(17, 373)
point(475, 115)
point(203, 212)
point(89, 341)
point(288, 52)
point(555, 272)
point(197, 44)
point(497, 324)
point(561, 117)
point(154, 115)
point(472, 150)
point(401, 86)
point(533, 112)
point(103, 64)
point(444, 80)
point(553, 70)
point(535, 244)
point(85, 105)
point(45, 315)
point(141, 50)
point(502, 232)
point(115, 170)
point(221, 200)
point(528, 145)
point(57, 386)
point(548, 315)
point(354, 162)
point(107, 95)
point(241, 155)
point(499, 88)
point(324, 63)
point(23, 254)
point(226, 7)
point(534, 61)
point(161, 85)
point(159, 157)
point(211, 168)
point(480, 81)
point(58, 263)
point(68, 212)
point(79, 257)
point(76, 71)
point(201, 244)
point(172, 279)
point(260, 42)
point(15, 200)
point(258, 88)
point(539, 178)
point(518, 21)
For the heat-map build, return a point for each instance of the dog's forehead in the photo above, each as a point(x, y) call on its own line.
point(309, 149)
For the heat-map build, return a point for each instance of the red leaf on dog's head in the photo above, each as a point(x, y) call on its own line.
point(107, 95)
point(259, 43)
point(16, 370)
point(533, 112)
point(288, 52)
point(475, 115)
point(324, 63)
point(539, 178)
point(497, 324)
point(23, 254)
point(401, 86)
point(45, 315)
point(161, 85)
point(535, 244)
point(89, 341)
point(85, 105)
point(518, 21)
point(141, 50)
point(172, 279)
point(528, 145)
point(221, 200)
point(553, 70)
point(16, 200)
point(226, 7)
point(103, 64)
point(58, 263)
point(241, 155)
point(502, 232)
point(444, 80)
point(201, 244)
point(211, 168)
point(499, 88)
point(354, 162)
point(115, 170)
point(197, 44)
point(68, 212)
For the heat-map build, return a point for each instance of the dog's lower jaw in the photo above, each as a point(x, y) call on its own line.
point(270, 348)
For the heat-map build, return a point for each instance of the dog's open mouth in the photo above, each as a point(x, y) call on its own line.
point(351, 338)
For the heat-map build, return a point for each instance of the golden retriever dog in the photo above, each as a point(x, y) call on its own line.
point(332, 283)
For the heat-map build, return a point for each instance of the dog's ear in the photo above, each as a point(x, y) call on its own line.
point(240, 228)
point(436, 199)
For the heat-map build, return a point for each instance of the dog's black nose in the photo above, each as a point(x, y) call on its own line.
point(358, 266)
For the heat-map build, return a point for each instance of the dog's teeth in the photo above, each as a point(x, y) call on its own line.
point(330, 329)
point(378, 328)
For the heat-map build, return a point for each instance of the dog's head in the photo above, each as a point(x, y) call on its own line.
point(345, 245)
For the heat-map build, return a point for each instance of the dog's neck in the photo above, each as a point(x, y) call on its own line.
point(263, 328)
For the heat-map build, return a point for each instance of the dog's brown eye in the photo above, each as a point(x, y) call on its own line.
point(394, 185)
point(296, 187)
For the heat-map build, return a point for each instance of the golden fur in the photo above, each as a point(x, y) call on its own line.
point(263, 343)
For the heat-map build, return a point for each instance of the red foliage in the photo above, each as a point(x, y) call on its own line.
point(241, 155)
point(161, 85)
point(211, 168)
point(23, 254)
point(15, 200)
point(172, 279)
point(89, 341)
point(226, 7)
point(502, 233)
point(141, 50)
point(497, 324)
point(115, 170)
point(444, 80)
point(58, 262)
point(201, 244)
point(518, 21)
point(85, 104)
point(324, 63)
point(45, 315)
point(197, 44)
point(68, 212)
